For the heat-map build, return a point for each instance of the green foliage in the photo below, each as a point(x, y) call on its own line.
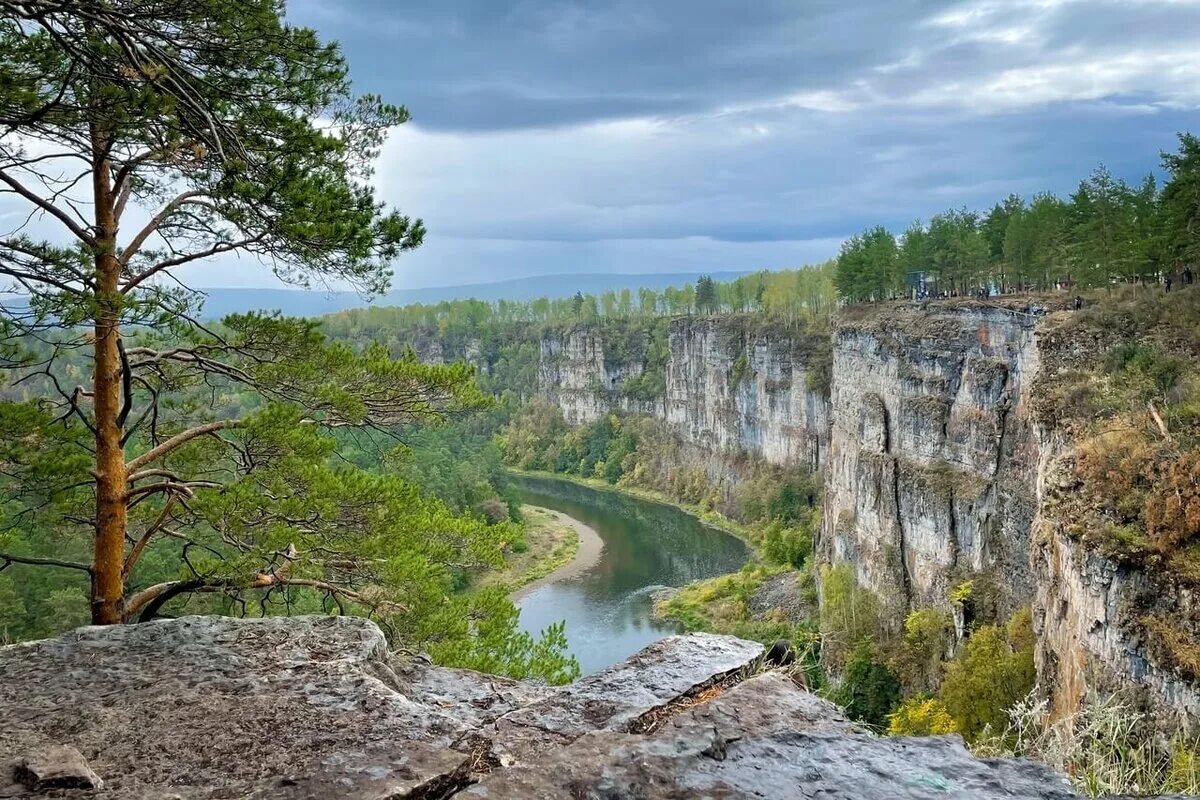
point(868, 266)
point(794, 499)
point(739, 370)
point(992, 673)
point(1143, 374)
point(1181, 201)
point(479, 631)
point(921, 716)
point(458, 465)
point(706, 296)
point(849, 615)
point(721, 605)
point(928, 633)
point(869, 691)
point(1108, 231)
point(787, 546)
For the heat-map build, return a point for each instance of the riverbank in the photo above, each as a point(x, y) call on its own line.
point(553, 542)
point(764, 602)
point(711, 519)
point(758, 602)
point(588, 547)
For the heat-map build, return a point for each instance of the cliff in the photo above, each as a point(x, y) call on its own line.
point(934, 455)
point(317, 707)
point(948, 469)
point(729, 385)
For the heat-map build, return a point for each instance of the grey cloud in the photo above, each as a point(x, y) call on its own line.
point(486, 65)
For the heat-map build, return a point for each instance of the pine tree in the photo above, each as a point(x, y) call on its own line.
point(1181, 203)
point(171, 457)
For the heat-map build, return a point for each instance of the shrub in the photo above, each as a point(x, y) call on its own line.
point(494, 511)
point(786, 546)
point(921, 716)
point(1103, 747)
point(869, 691)
point(1143, 373)
point(1173, 507)
point(1171, 645)
point(1117, 467)
point(795, 498)
point(993, 672)
point(739, 370)
point(849, 614)
point(920, 654)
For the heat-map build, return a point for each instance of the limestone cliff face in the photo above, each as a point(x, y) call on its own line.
point(940, 463)
point(728, 389)
point(945, 466)
point(574, 372)
point(933, 454)
point(1088, 615)
point(1091, 612)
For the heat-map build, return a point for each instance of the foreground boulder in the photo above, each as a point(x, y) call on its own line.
point(316, 707)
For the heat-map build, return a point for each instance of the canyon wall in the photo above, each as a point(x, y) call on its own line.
point(727, 387)
point(943, 484)
point(574, 372)
point(934, 454)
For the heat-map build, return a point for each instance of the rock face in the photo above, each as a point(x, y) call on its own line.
point(318, 708)
point(938, 467)
point(934, 453)
point(1089, 611)
point(729, 388)
point(574, 372)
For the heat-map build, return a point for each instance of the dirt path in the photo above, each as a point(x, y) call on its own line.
point(590, 547)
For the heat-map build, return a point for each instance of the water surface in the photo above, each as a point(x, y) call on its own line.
point(646, 546)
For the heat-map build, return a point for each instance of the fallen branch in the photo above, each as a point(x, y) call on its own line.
point(1158, 420)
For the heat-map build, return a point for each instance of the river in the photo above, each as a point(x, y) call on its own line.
point(647, 545)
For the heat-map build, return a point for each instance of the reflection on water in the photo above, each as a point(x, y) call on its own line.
point(646, 546)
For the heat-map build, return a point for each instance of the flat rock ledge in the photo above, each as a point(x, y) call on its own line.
point(317, 707)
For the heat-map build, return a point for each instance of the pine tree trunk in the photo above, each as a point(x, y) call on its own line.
point(108, 586)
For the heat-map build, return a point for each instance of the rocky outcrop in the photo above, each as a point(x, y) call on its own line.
point(934, 453)
point(1088, 615)
point(1091, 612)
point(318, 707)
point(575, 373)
point(730, 387)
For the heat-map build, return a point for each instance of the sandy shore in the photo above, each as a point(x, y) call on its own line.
point(590, 547)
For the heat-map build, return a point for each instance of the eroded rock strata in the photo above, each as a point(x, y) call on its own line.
point(317, 707)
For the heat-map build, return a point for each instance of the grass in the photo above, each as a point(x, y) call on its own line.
point(550, 543)
point(720, 605)
point(1102, 747)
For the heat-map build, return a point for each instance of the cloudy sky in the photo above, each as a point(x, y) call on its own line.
point(552, 136)
point(665, 135)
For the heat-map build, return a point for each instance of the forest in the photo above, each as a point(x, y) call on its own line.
point(155, 464)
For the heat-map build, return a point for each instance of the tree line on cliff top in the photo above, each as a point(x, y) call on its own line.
point(1108, 231)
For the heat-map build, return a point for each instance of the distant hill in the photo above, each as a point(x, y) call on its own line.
point(299, 303)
